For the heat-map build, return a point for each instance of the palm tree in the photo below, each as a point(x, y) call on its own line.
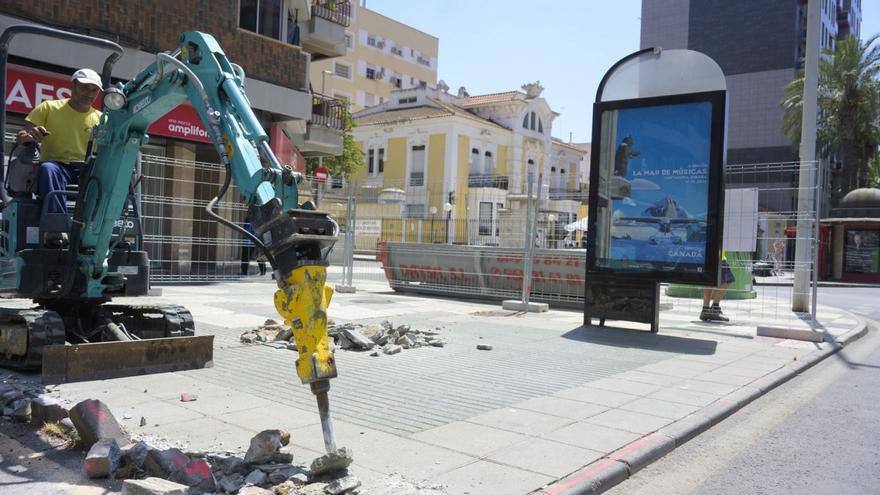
point(849, 109)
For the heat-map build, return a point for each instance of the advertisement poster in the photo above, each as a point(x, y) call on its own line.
point(658, 187)
point(862, 251)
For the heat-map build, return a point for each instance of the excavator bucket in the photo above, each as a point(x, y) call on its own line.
point(103, 360)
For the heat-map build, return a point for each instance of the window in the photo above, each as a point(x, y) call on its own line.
point(530, 168)
point(397, 51)
point(485, 218)
point(349, 41)
point(417, 166)
point(526, 121)
point(532, 121)
point(397, 82)
point(375, 161)
point(371, 155)
point(540, 126)
point(489, 162)
point(381, 157)
point(261, 16)
point(370, 72)
point(409, 99)
point(414, 211)
point(371, 40)
point(475, 161)
point(342, 70)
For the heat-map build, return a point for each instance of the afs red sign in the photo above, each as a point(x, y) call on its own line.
point(26, 88)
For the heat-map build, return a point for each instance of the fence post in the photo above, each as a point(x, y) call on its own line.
point(527, 251)
point(817, 232)
point(530, 247)
point(348, 249)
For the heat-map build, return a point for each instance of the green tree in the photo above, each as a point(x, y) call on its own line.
point(351, 159)
point(849, 109)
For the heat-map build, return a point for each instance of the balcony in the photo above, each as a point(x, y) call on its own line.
point(323, 136)
point(323, 35)
point(417, 179)
point(493, 181)
point(561, 193)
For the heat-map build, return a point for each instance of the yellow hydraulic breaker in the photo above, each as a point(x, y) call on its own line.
point(302, 301)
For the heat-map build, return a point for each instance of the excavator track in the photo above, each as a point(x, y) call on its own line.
point(24, 333)
point(152, 321)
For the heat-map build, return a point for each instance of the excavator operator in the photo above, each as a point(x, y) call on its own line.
point(62, 128)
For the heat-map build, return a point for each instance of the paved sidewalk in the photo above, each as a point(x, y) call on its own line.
point(554, 406)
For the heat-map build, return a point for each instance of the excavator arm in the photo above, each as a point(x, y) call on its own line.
point(295, 238)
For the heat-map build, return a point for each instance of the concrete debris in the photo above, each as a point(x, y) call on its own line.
point(484, 347)
point(153, 486)
point(264, 445)
point(342, 485)
point(282, 457)
point(47, 410)
point(94, 421)
point(102, 459)
point(132, 461)
point(358, 337)
point(256, 477)
point(66, 424)
point(396, 484)
point(231, 483)
point(188, 397)
point(284, 473)
point(271, 331)
point(334, 461)
point(254, 490)
point(19, 410)
point(176, 466)
point(227, 463)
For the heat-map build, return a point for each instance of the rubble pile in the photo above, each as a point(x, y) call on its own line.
point(379, 338)
point(265, 469)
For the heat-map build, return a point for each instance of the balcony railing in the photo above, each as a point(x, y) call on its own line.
point(328, 112)
point(481, 180)
point(338, 12)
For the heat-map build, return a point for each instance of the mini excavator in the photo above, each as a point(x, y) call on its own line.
point(73, 332)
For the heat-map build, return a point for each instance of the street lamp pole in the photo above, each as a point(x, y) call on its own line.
point(447, 207)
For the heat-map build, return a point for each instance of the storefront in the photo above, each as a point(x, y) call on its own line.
point(850, 240)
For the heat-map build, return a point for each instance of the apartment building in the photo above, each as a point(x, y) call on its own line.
point(179, 161)
point(381, 55)
point(467, 160)
point(759, 44)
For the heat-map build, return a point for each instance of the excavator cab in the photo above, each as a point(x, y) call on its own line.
point(71, 334)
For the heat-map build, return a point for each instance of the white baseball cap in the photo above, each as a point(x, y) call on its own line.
point(87, 76)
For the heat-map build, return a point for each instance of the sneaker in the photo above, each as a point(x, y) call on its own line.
point(713, 314)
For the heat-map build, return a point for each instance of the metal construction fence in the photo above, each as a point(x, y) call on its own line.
point(479, 235)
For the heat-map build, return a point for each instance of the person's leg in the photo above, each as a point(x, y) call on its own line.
point(705, 313)
point(245, 259)
point(53, 176)
point(262, 266)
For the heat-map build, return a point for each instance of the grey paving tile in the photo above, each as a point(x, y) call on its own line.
point(156, 413)
point(637, 375)
point(201, 434)
point(558, 406)
point(469, 438)
point(545, 456)
point(597, 396)
point(685, 396)
point(520, 421)
point(228, 401)
point(635, 422)
point(266, 418)
point(658, 407)
point(705, 386)
point(486, 477)
point(617, 384)
point(392, 454)
point(593, 436)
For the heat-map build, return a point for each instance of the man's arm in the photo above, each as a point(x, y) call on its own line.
point(31, 134)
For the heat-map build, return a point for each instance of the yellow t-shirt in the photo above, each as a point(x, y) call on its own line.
point(69, 130)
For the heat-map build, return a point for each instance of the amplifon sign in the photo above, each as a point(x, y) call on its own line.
point(26, 88)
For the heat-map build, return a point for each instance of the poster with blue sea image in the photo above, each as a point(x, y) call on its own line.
point(661, 165)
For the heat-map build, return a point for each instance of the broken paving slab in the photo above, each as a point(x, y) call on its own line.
point(264, 445)
point(102, 459)
point(331, 462)
point(94, 421)
point(153, 486)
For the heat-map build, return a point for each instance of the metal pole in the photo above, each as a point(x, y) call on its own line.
point(527, 275)
point(806, 181)
point(817, 232)
point(349, 252)
point(527, 253)
point(353, 237)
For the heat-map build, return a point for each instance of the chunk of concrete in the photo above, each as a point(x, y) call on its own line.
point(133, 457)
point(94, 421)
point(531, 307)
point(391, 349)
point(164, 463)
point(484, 347)
point(256, 477)
point(196, 474)
point(277, 476)
point(153, 486)
point(47, 410)
point(227, 463)
point(19, 411)
point(102, 459)
point(334, 461)
point(231, 483)
point(358, 339)
point(342, 485)
point(264, 445)
point(254, 490)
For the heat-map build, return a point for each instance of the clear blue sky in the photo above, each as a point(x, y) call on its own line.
point(490, 46)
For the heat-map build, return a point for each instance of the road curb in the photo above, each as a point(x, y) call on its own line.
point(621, 464)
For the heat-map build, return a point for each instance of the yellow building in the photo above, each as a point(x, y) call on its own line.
point(463, 163)
point(381, 55)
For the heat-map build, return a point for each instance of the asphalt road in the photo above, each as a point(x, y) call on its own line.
point(816, 434)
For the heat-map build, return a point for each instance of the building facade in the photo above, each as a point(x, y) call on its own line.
point(180, 166)
point(381, 55)
point(759, 45)
point(468, 161)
